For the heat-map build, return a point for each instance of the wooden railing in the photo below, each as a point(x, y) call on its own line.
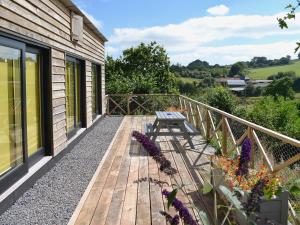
point(224, 131)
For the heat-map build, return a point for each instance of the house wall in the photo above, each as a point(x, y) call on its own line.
point(48, 22)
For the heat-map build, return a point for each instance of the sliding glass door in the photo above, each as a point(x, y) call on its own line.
point(22, 113)
point(33, 101)
point(73, 95)
point(11, 149)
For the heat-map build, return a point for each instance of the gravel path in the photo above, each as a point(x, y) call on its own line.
point(54, 197)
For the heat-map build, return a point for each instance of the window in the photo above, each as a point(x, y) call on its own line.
point(96, 90)
point(11, 150)
point(23, 93)
point(74, 94)
point(33, 101)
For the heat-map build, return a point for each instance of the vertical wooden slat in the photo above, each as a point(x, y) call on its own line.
point(208, 125)
point(224, 135)
point(128, 104)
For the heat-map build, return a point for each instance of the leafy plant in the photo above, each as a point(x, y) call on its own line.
point(179, 206)
point(290, 15)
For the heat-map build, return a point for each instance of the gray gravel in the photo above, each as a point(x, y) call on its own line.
point(54, 197)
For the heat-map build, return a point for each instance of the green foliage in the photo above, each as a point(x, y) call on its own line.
point(291, 14)
point(143, 69)
point(171, 197)
point(264, 73)
point(281, 87)
point(279, 75)
point(296, 85)
point(237, 69)
point(222, 98)
point(278, 115)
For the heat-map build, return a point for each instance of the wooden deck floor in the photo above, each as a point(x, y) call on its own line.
point(126, 188)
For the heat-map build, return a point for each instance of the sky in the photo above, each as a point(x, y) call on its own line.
point(220, 32)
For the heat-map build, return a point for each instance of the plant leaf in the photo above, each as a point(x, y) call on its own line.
point(231, 197)
point(171, 197)
point(207, 187)
point(204, 218)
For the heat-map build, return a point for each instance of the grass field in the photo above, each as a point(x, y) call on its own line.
point(188, 79)
point(263, 73)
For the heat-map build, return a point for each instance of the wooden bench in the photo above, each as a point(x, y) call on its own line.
point(191, 129)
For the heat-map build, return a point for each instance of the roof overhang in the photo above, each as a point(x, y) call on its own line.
point(71, 6)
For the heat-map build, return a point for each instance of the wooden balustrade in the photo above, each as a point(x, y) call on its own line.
point(202, 117)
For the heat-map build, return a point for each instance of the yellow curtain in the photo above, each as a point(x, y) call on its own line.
point(70, 100)
point(10, 110)
point(33, 96)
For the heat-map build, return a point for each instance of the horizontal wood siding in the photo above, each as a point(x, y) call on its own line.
point(49, 22)
point(59, 101)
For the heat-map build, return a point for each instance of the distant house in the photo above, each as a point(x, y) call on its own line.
point(237, 86)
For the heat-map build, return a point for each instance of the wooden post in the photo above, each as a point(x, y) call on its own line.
point(208, 126)
point(198, 125)
point(128, 104)
point(250, 136)
point(107, 105)
point(224, 136)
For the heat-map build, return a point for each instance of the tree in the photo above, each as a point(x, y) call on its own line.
point(296, 85)
point(237, 69)
point(222, 98)
point(290, 15)
point(281, 87)
point(299, 55)
point(146, 68)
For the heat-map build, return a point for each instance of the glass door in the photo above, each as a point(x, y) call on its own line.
point(11, 150)
point(73, 95)
point(33, 102)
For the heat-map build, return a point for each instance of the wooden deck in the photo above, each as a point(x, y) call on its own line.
point(126, 188)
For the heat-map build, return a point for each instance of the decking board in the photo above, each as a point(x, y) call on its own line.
point(128, 188)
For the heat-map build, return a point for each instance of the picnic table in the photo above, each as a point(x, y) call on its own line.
point(176, 125)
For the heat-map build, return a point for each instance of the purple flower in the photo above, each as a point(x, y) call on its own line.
point(257, 191)
point(154, 151)
point(244, 160)
point(175, 220)
point(183, 211)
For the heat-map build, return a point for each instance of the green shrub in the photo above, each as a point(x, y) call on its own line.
point(279, 115)
point(222, 98)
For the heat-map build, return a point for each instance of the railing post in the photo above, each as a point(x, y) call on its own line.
point(208, 125)
point(198, 125)
point(107, 105)
point(250, 136)
point(128, 104)
point(224, 135)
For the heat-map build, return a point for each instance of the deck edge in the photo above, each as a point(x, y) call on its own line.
point(92, 181)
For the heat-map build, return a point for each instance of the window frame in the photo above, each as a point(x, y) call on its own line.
point(14, 174)
point(82, 78)
point(98, 81)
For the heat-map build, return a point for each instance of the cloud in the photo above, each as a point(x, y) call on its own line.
point(197, 36)
point(96, 22)
point(218, 10)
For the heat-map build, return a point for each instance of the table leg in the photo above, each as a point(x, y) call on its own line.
point(156, 132)
point(155, 124)
point(186, 135)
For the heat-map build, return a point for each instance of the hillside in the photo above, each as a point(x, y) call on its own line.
point(263, 73)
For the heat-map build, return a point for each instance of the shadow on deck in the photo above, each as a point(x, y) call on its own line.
point(127, 186)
